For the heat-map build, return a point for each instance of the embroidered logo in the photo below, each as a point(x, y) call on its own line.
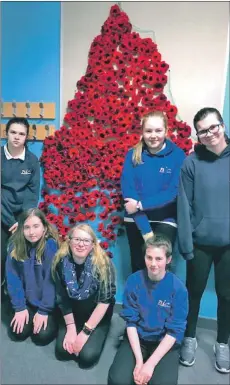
point(163, 303)
point(26, 172)
point(165, 170)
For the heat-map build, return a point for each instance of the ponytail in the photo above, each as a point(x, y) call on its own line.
point(137, 153)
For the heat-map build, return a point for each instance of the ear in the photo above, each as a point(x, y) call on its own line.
point(169, 259)
point(67, 239)
point(223, 127)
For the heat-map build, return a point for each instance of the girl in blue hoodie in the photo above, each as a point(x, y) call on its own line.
point(29, 279)
point(149, 186)
point(155, 307)
point(204, 230)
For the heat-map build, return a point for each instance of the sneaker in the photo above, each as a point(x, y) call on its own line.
point(187, 353)
point(222, 354)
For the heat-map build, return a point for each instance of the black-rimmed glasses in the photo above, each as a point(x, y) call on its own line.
point(77, 241)
point(212, 129)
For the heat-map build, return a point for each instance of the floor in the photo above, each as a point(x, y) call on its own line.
point(26, 363)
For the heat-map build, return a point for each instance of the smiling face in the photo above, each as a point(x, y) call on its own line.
point(33, 229)
point(81, 244)
point(16, 136)
point(154, 133)
point(215, 136)
point(156, 262)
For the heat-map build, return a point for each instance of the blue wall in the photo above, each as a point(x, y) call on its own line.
point(30, 57)
point(31, 71)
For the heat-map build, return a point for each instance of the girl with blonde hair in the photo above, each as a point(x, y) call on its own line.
point(85, 283)
point(149, 184)
point(30, 285)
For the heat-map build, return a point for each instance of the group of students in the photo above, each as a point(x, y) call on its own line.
point(188, 200)
point(66, 290)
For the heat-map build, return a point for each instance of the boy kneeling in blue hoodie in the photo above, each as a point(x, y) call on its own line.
point(155, 307)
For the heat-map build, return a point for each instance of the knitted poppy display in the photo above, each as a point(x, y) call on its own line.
point(82, 161)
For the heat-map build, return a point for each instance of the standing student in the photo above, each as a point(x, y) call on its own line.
point(20, 181)
point(149, 185)
point(85, 280)
point(155, 308)
point(29, 278)
point(204, 230)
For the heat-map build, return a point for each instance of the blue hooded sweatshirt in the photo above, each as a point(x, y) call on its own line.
point(31, 282)
point(203, 205)
point(154, 183)
point(155, 308)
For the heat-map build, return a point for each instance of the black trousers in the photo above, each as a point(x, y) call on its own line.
point(121, 371)
point(44, 337)
point(136, 241)
point(92, 350)
point(198, 270)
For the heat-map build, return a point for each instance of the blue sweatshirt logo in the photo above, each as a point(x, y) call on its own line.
point(164, 303)
point(26, 172)
point(165, 170)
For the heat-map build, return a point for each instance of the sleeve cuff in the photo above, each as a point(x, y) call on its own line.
point(148, 235)
point(177, 335)
point(173, 334)
point(8, 223)
point(43, 312)
point(143, 205)
point(21, 308)
point(131, 324)
point(188, 256)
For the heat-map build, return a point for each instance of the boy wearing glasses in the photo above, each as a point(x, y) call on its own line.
point(203, 211)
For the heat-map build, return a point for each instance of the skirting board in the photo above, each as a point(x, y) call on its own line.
point(204, 323)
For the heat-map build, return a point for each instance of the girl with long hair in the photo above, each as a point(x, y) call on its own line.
point(149, 185)
point(30, 284)
point(85, 282)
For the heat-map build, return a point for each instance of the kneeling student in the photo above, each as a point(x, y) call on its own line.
point(155, 308)
point(29, 278)
point(85, 280)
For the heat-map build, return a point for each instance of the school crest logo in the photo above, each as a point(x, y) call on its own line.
point(165, 170)
point(163, 303)
point(26, 172)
